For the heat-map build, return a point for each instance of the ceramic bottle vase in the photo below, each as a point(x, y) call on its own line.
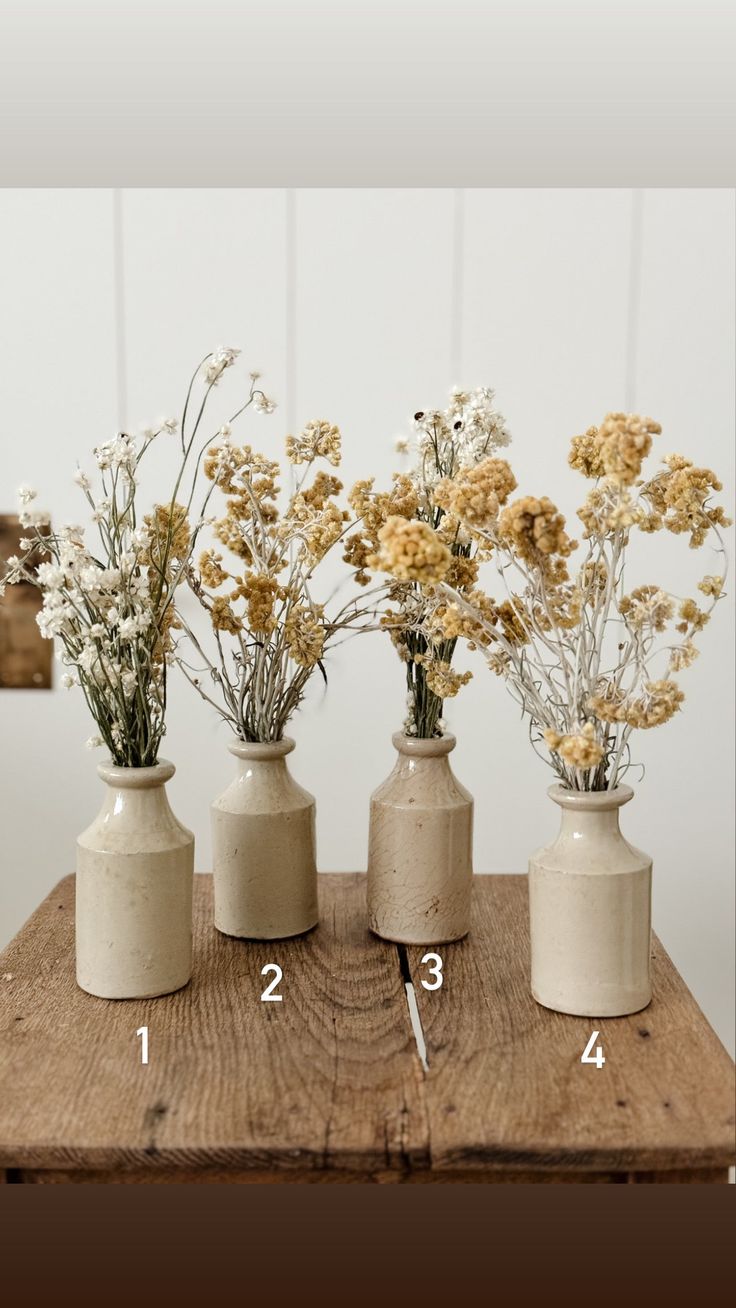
point(135, 865)
point(264, 849)
point(590, 906)
point(420, 847)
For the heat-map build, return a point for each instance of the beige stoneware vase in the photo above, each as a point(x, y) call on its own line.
point(590, 911)
point(135, 866)
point(420, 847)
point(264, 848)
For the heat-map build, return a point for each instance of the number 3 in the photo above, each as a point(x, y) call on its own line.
point(435, 971)
point(268, 996)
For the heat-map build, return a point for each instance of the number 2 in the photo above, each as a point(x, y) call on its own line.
point(143, 1033)
point(435, 971)
point(268, 996)
point(588, 1056)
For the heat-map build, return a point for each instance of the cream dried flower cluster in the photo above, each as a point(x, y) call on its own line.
point(588, 659)
point(109, 592)
point(112, 615)
point(422, 532)
point(269, 631)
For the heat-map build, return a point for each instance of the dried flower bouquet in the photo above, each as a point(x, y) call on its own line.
point(109, 601)
point(587, 658)
point(407, 532)
point(270, 630)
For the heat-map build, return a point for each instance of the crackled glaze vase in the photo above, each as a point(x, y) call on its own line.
point(135, 867)
point(420, 847)
point(264, 847)
point(590, 911)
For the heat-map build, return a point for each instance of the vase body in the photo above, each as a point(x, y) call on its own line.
point(590, 911)
point(420, 847)
point(135, 867)
point(264, 848)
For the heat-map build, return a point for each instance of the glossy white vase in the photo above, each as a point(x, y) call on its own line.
point(590, 911)
point(264, 848)
point(135, 865)
point(420, 847)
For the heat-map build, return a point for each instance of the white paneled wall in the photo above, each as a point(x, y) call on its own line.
point(361, 306)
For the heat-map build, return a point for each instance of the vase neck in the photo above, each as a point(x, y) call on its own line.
point(593, 813)
point(577, 822)
point(417, 748)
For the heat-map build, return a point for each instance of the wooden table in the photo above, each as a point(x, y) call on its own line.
point(328, 1083)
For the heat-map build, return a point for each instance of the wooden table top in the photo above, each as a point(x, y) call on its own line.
point(328, 1083)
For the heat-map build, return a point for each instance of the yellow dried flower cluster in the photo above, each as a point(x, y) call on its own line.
point(318, 440)
point(646, 606)
point(581, 648)
point(625, 440)
point(281, 630)
point(211, 570)
point(534, 530)
point(658, 703)
point(373, 509)
point(585, 454)
point(712, 586)
point(411, 551)
point(679, 499)
point(609, 508)
point(240, 471)
point(462, 573)
point(223, 617)
point(580, 750)
point(325, 530)
point(442, 681)
point(168, 535)
point(683, 656)
point(692, 617)
point(476, 495)
point(473, 619)
point(305, 635)
point(260, 592)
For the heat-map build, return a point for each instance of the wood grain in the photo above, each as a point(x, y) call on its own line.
point(327, 1086)
point(326, 1079)
point(506, 1088)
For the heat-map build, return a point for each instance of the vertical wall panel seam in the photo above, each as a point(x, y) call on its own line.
point(121, 358)
point(457, 288)
point(636, 234)
point(291, 275)
point(290, 310)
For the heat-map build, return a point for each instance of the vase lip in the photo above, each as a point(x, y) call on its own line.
point(262, 749)
point(419, 747)
point(129, 778)
point(591, 801)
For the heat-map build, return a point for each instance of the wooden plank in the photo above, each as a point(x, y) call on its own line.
point(327, 1078)
point(505, 1083)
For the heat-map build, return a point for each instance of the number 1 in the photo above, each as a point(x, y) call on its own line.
point(143, 1033)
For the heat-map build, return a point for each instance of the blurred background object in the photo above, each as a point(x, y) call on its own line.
point(26, 659)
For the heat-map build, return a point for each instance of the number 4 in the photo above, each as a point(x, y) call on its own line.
point(588, 1056)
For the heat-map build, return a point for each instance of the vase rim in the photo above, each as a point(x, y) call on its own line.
point(592, 801)
point(262, 749)
point(419, 747)
point(130, 778)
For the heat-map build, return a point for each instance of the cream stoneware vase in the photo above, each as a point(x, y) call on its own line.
point(420, 847)
point(590, 911)
point(264, 848)
point(135, 867)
